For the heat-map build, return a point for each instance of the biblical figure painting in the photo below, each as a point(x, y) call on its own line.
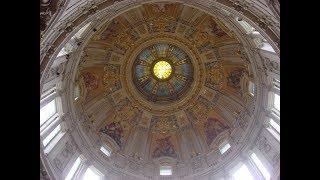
point(215, 29)
point(234, 78)
point(164, 147)
point(115, 131)
point(111, 31)
point(213, 127)
point(90, 80)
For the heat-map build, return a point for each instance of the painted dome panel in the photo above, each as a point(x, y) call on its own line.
point(179, 53)
point(163, 90)
point(149, 86)
point(162, 49)
point(141, 71)
point(146, 55)
point(185, 69)
point(177, 84)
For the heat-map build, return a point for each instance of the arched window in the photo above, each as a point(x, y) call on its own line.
point(263, 170)
point(76, 92)
point(92, 174)
point(73, 169)
point(165, 170)
point(51, 125)
point(69, 46)
point(224, 146)
point(242, 173)
point(105, 150)
point(274, 128)
point(274, 102)
point(251, 88)
point(246, 26)
point(47, 111)
point(259, 40)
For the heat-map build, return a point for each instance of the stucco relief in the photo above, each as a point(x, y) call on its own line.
point(215, 76)
point(134, 167)
point(63, 157)
point(272, 155)
point(111, 78)
point(272, 66)
point(48, 12)
point(198, 163)
point(43, 173)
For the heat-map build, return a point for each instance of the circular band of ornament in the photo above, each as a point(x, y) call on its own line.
point(162, 73)
point(164, 105)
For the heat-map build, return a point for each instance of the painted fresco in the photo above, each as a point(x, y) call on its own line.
point(164, 147)
point(115, 131)
point(213, 127)
point(215, 29)
point(234, 78)
point(90, 80)
point(200, 110)
point(214, 75)
point(126, 112)
point(111, 79)
point(111, 31)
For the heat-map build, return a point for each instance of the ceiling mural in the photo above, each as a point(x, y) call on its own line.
point(115, 131)
point(164, 147)
point(90, 80)
point(213, 127)
point(111, 77)
point(163, 72)
point(118, 124)
point(234, 78)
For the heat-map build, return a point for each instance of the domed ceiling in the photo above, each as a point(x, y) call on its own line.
point(164, 81)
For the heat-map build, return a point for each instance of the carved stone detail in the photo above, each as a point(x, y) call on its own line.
point(61, 160)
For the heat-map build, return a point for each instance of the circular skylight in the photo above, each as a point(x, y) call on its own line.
point(162, 70)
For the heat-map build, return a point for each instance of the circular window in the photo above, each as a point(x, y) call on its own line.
point(162, 72)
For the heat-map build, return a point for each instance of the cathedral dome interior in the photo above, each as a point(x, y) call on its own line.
point(160, 90)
